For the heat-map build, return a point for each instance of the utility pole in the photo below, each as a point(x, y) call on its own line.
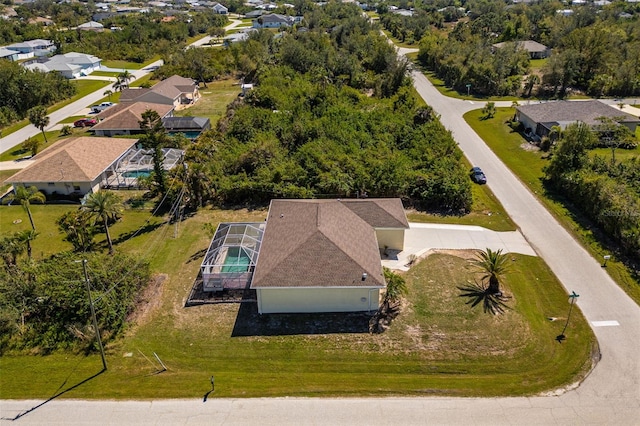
point(93, 313)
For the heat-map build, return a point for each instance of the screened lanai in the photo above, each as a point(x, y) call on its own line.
point(136, 163)
point(232, 256)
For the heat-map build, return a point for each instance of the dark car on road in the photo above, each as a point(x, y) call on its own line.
point(477, 175)
point(85, 122)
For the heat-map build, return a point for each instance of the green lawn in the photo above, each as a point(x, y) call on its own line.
point(527, 165)
point(105, 73)
point(123, 65)
point(213, 103)
point(437, 345)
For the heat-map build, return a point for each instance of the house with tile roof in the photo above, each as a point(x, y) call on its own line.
point(124, 118)
point(324, 255)
point(175, 90)
point(75, 166)
point(540, 118)
point(70, 65)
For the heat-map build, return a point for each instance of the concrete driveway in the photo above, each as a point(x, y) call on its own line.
point(422, 238)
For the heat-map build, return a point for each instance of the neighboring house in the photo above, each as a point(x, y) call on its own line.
point(191, 127)
point(42, 21)
point(241, 35)
point(174, 90)
point(91, 26)
point(124, 118)
point(33, 48)
point(8, 54)
point(70, 65)
point(73, 166)
point(273, 20)
point(536, 50)
point(220, 9)
point(324, 255)
point(254, 14)
point(540, 118)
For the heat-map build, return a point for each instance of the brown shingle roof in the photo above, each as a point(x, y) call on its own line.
point(379, 212)
point(569, 111)
point(130, 94)
point(174, 86)
point(74, 160)
point(126, 116)
point(317, 243)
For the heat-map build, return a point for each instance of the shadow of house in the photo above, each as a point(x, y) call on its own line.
point(250, 323)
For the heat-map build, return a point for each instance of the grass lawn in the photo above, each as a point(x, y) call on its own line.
point(436, 346)
point(527, 165)
point(4, 175)
point(123, 65)
point(213, 103)
point(452, 93)
point(105, 73)
point(486, 211)
point(537, 64)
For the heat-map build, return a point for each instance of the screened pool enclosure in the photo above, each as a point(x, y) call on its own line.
point(232, 256)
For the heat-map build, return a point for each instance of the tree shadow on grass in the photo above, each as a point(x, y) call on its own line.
point(477, 293)
point(150, 227)
point(250, 323)
point(56, 395)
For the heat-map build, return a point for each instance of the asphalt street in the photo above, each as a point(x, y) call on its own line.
point(609, 395)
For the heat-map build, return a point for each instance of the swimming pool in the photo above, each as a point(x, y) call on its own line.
point(137, 173)
point(236, 260)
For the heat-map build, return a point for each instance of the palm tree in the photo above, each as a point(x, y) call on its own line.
point(532, 80)
point(396, 287)
point(26, 196)
point(38, 117)
point(25, 237)
point(104, 206)
point(108, 93)
point(492, 264)
point(10, 249)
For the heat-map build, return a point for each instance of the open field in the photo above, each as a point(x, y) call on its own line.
point(527, 164)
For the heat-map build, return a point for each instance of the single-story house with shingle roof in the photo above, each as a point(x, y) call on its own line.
point(540, 118)
point(273, 20)
point(536, 50)
point(73, 166)
point(175, 90)
point(91, 26)
point(124, 118)
point(324, 255)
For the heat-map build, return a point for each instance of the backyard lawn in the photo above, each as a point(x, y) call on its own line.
point(213, 103)
point(526, 162)
point(438, 345)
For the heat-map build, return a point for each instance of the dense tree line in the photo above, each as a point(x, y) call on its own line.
point(22, 89)
point(607, 191)
point(333, 115)
point(44, 304)
point(142, 36)
point(595, 50)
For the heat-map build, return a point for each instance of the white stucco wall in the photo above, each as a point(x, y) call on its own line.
point(391, 238)
point(301, 300)
point(64, 188)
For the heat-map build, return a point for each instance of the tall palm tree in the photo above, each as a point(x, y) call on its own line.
point(38, 117)
point(492, 265)
point(26, 196)
point(108, 93)
point(104, 206)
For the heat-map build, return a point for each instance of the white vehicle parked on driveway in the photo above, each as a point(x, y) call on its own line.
point(101, 107)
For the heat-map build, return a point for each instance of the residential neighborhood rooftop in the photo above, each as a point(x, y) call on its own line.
point(569, 111)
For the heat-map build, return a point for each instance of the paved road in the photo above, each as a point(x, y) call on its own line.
point(609, 395)
point(16, 138)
